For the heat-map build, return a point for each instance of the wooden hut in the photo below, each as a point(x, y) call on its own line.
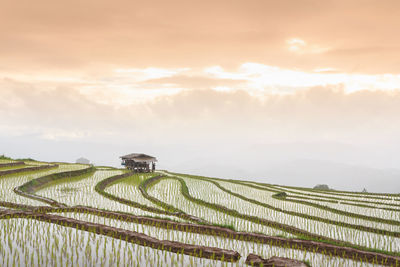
point(139, 162)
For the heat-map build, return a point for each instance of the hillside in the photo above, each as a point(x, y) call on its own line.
point(75, 214)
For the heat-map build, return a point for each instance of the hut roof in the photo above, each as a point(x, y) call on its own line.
point(138, 157)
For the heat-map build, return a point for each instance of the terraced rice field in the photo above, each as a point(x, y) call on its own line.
point(60, 214)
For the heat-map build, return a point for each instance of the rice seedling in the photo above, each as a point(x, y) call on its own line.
point(96, 218)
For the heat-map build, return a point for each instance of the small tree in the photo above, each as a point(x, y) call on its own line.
point(321, 187)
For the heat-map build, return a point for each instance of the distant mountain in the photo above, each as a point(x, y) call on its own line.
point(337, 175)
point(83, 161)
point(302, 172)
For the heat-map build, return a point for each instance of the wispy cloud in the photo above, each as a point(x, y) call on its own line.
point(135, 85)
point(267, 78)
point(299, 46)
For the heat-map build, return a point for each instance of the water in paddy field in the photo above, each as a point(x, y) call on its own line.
point(27, 242)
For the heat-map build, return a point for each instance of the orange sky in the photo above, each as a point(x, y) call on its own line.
point(199, 72)
point(349, 36)
point(121, 51)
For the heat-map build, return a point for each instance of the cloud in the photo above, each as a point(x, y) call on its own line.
point(261, 77)
point(149, 73)
point(296, 44)
point(196, 81)
point(313, 114)
point(299, 46)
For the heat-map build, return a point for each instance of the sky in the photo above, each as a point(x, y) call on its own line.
point(290, 92)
